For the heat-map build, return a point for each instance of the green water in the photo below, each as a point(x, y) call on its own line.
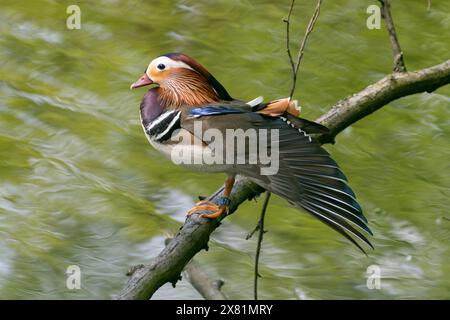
point(79, 184)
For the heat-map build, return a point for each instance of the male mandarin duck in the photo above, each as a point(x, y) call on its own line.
point(307, 176)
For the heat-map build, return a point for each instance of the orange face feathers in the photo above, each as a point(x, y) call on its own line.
point(186, 87)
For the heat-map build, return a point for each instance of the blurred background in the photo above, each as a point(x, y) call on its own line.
point(80, 185)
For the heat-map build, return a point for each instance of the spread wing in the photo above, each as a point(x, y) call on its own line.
point(307, 176)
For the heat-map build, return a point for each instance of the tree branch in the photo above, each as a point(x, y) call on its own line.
point(192, 237)
point(194, 234)
point(391, 87)
point(399, 64)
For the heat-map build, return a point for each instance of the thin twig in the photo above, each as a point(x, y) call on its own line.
point(288, 39)
point(399, 64)
point(258, 247)
point(295, 65)
point(250, 234)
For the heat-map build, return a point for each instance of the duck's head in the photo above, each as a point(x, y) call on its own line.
point(181, 77)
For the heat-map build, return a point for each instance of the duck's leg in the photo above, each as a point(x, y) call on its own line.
point(217, 209)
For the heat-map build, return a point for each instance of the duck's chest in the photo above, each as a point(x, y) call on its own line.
point(159, 131)
point(167, 136)
point(162, 127)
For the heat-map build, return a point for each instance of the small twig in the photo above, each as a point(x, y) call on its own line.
point(257, 227)
point(399, 64)
point(429, 5)
point(295, 65)
point(209, 289)
point(133, 269)
point(250, 234)
point(288, 39)
point(258, 247)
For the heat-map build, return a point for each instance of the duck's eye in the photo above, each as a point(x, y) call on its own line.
point(161, 66)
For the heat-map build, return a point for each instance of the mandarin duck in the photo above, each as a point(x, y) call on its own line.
point(186, 93)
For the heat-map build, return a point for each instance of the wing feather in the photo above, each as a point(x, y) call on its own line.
point(307, 177)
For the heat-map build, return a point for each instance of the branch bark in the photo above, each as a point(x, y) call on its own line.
point(194, 234)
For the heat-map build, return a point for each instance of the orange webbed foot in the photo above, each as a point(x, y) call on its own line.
point(216, 209)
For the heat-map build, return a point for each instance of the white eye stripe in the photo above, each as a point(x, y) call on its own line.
point(168, 63)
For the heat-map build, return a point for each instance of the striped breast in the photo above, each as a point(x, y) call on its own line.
point(162, 127)
point(167, 136)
